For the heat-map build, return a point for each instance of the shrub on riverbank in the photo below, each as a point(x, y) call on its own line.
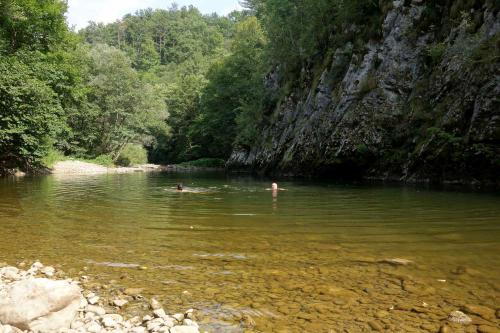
point(206, 163)
point(132, 154)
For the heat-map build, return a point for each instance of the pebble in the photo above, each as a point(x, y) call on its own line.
point(109, 322)
point(189, 314)
point(481, 311)
point(120, 302)
point(445, 329)
point(487, 329)
point(155, 305)
point(184, 329)
point(48, 270)
point(93, 327)
point(189, 322)
point(159, 313)
point(397, 261)
point(96, 309)
point(154, 325)
point(375, 326)
point(132, 291)
point(382, 314)
point(179, 317)
point(459, 317)
point(93, 300)
point(138, 329)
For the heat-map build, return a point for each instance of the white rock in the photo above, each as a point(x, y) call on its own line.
point(147, 318)
point(116, 317)
point(9, 329)
point(93, 327)
point(169, 321)
point(109, 322)
point(189, 314)
point(39, 304)
point(96, 309)
point(35, 268)
point(93, 300)
point(77, 324)
point(89, 294)
point(397, 261)
point(83, 303)
point(189, 322)
point(120, 302)
point(459, 317)
point(154, 324)
point(155, 305)
point(153, 327)
point(159, 313)
point(179, 317)
point(184, 329)
point(138, 329)
point(89, 316)
point(10, 273)
point(48, 270)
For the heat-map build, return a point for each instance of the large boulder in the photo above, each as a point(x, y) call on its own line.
point(39, 305)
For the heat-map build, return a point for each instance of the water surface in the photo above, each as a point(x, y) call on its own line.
point(310, 259)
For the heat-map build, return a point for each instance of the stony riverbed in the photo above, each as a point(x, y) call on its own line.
point(39, 298)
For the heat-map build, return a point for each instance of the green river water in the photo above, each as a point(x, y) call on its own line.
point(309, 259)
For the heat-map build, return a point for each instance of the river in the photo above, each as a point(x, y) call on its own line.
point(316, 257)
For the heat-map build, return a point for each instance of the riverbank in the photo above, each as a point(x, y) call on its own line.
point(45, 300)
point(74, 167)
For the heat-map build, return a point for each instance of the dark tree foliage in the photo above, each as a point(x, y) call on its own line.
point(30, 115)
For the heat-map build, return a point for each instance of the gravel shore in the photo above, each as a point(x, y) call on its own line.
point(43, 300)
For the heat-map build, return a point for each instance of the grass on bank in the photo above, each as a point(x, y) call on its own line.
point(55, 156)
point(132, 154)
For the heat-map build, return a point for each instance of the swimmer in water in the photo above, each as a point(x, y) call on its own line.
point(274, 188)
point(179, 187)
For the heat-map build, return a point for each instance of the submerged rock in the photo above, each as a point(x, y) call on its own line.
point(487, 329)
point(459, 317)
point(481, 311)
point(396, 261)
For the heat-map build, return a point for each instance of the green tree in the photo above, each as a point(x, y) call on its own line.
point(32, 24)
point(30, 115)
point(234, 88)
point(120, 107)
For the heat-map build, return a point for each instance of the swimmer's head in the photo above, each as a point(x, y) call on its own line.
point(274, 186)
point(179, 187)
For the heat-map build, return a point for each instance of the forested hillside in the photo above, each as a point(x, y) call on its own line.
point(385, 89)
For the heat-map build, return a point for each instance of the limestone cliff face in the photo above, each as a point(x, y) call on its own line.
point(412, 107)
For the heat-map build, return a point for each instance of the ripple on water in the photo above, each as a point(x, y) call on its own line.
point(309, 257)
point(113, 264)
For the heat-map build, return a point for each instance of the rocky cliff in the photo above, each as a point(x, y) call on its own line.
point(419, 104)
